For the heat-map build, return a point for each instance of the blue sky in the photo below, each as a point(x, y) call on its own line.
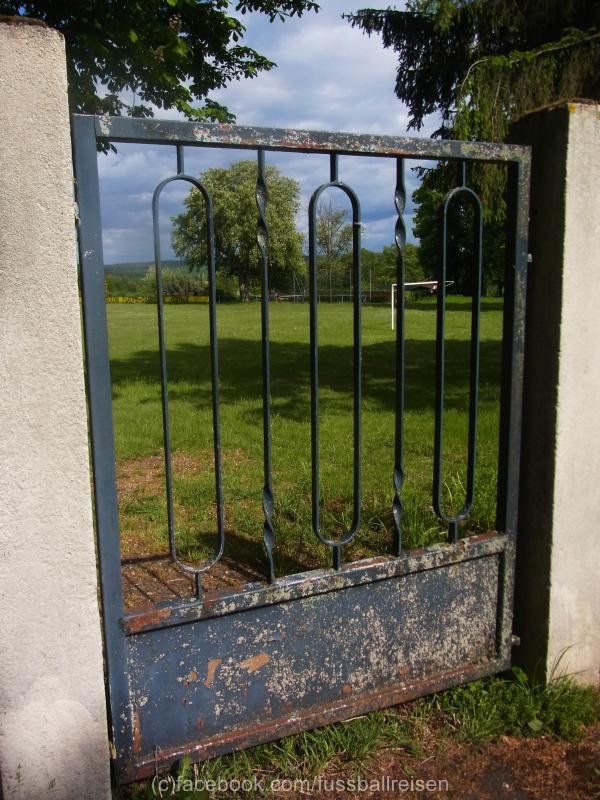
point(329, 77)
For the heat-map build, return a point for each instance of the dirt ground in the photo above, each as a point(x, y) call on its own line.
point(519, 769)
point(507, 769)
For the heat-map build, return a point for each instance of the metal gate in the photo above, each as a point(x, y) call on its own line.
point(229, 669)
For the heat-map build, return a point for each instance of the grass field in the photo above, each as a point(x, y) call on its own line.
point(138, 427)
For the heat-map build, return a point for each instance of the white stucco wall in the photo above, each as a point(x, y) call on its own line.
point(557, 600)
point(53, 734)
point(574, 618)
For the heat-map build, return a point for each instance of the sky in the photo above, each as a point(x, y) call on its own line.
point(329, 77)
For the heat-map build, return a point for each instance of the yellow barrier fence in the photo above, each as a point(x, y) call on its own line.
point(171, 299)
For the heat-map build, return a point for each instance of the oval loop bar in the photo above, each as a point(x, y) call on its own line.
point(335, 544)
point(214, 362)
point(453, 520)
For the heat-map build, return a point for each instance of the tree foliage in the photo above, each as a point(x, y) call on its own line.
point(164, 53)
point(233, 192)
point(380, 268)
point(333, 233)
point(175, 282)
point(480, 64)
point(429, 198)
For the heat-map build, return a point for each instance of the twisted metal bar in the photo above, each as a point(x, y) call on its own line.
point(336, 545)
point(262, 236)
point(399, 475)
point(453, 520)
point(210, 243)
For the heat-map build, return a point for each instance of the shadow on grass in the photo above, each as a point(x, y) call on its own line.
point(241, 374)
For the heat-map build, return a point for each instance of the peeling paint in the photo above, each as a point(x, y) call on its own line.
point(213, 665)
point(136, 731)
point(315, 582)
point(190, 677)
point(254, 663)
point(225, 135)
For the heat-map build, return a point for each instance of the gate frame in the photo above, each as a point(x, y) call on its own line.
point(131, 762)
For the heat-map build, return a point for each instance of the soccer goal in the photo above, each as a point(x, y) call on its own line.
point(429, 286)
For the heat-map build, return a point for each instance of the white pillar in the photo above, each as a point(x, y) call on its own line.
point(53, 728)
point(558, 563)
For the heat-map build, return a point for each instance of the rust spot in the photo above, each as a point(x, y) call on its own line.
point(190, 677)
point(147, 620)
point(346, 689)
point(199, 723)
point(404, 669)
point(136, 731)
point(213, 665)
point(254, 663)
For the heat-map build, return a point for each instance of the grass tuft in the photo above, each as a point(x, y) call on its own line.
point(520, 707)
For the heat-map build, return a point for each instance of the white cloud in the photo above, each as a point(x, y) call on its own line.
point(329, 77)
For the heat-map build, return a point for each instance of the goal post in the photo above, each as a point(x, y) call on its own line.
point(429, 286)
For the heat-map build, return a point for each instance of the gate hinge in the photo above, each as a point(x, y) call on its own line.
point(529, 258)
point(515, 640)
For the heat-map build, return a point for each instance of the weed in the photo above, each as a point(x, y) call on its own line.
point(520, 707)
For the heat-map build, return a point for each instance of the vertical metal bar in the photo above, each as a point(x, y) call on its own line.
point(314, 366)
point(214, 368)
point(180, 159)
point(333, 167)
point(513, 344)
point(164, 383)
point(474, 360)
point(262, 235)
point(400, 239)
point(357, 367)
point(511, 400)
point(99, 397)
point(440, 370)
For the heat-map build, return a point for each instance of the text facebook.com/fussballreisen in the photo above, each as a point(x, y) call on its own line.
point(170, 786)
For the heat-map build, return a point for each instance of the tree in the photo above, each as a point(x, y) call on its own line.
point(334, 243)
point(233, 191)
point(428, 198)
point(334, 234)
point(381, 267)
point(482, 64)
point(166, 53)
point(175, 283)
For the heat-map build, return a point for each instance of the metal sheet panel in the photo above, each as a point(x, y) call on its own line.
point(212, 685)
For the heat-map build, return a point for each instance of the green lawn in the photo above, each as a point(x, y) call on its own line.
point(138, 428)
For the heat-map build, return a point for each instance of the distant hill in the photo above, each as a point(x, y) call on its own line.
point(137, 269)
